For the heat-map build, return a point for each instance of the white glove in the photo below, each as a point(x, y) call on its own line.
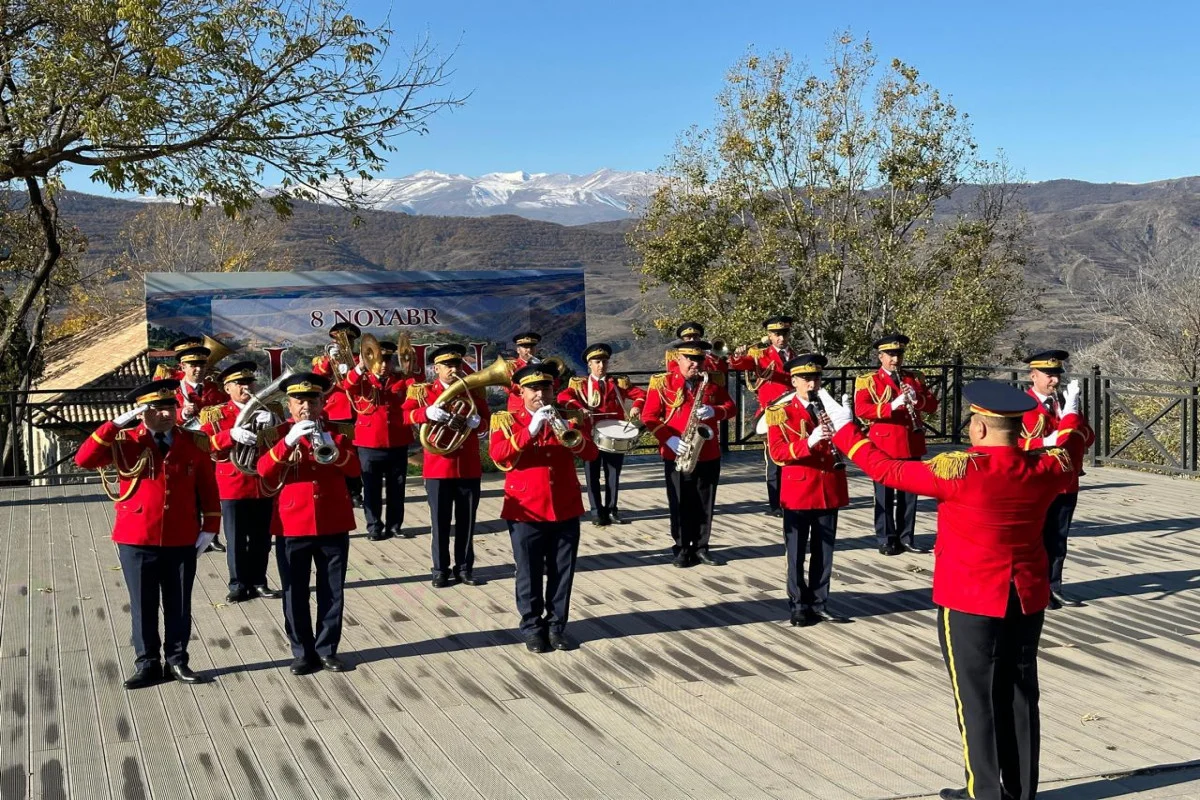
point(203, 541)
point(189, 410)
point(334, 351)
point(343, 369)
point(1071, 398)
point(839, 415)
point(1050, 440)
point(818, 435)
point(243, 436)
point(437, 414)
point(263, 417)
point(705, 412)
point(303, 428)
point(539, 419)
point(674, 443)
point(359, 368)
point(473, 421)
point(900, 402)
point(130, 416)
point(846, 400)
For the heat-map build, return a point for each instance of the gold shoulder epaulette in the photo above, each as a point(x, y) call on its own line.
point(863, 382)
point(316, 361)
point(623, 383)
point(162, 372)
point(1063, 458)
point(952, 465)
point(418, 391)
point(502, 421)
point(211, 414)
point(658, 382)
point(755, 352)
point(201, 441)
point(776, 415)
point(267, 437)
point(576, 384)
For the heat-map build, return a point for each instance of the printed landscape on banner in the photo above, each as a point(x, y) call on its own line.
point(282, 319)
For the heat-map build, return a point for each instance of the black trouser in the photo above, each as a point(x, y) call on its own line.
point(297, 556)
point(383, 468)
point(1054, 534)
point(544, 549)
point(691, 499)
point(248, 529)
point(992, 663)
point(610, 464)
point(150, 573)
point(455, 498)
point(895, 514)
point(811, 532)
point(774, 476)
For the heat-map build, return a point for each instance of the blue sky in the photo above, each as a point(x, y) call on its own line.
point(1095, 91)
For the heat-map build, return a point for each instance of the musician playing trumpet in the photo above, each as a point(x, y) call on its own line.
point(537, 447)
point(307, 464)
point(193, 394)
point(381, 433)
point(451, 479)
point(603, 398)
point(246, 506)
point(673, 400)
point(813, 489)
point(891, 400)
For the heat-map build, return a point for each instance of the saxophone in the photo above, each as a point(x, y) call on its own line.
point(695, 434)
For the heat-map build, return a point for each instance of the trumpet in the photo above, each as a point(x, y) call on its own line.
point(324, 450)
point(568, 437)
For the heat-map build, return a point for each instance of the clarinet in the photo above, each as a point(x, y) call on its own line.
point(913, 415)
point(838, 461)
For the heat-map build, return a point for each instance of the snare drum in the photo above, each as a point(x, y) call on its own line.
point(615, 435)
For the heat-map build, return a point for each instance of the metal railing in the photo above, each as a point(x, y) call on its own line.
point(1139, 422)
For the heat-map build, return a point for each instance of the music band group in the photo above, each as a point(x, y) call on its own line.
point(195, 452)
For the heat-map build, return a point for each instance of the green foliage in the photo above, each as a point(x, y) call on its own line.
point(816, 196)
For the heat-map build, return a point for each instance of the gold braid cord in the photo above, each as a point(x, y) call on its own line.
point(952, 465)
point(503, 421)
point(112, 486)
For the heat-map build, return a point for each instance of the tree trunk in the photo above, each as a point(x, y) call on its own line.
point(47, 213)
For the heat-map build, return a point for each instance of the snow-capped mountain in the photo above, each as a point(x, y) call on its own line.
point(554, 197)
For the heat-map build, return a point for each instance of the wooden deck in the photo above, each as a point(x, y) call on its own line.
point(689, 683)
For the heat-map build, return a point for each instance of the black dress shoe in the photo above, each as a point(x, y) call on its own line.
point(375, 535)
point(440, 580)
point(777, 512)
point(305, 665)
point(356, 500)
point(392, 530)
point(770, 512)
point(239, 595)
point(560, 641)
point(826, 616)
point(467, 578)
point(216, 545)
point(704, 557)
point(601, 522)
point(335, 664)
point(1063, 600)
point(146, 676)
point(267, 592)
point(682, 559)
point(184, 674)
point(615, 516)
point(954, 794)
point(537, 643)
point(913, 547)
point(891, 549)
point(803, 619)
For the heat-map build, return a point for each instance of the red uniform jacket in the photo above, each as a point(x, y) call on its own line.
point(541, 484)
point(379, 410)
point(167, 502)
point(1039, 422)
point(992, 503)
point(463, 462)
point(766, 364)
point(602, 399)
point(669, 404)
point(337, 402)
point(810, 481)
point(313, 499)
point(204, 395)
point(892, 430)
point(233, 484)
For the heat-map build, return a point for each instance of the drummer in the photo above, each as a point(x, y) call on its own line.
point(605, 398)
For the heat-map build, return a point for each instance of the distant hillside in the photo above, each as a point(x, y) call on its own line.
point(1081, 231)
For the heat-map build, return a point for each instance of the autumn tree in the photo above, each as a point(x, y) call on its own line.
point(207, 101)
point(828, 197)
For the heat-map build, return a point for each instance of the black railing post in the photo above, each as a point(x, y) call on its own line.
point(1194, 429)
point(956, 432)
point(1093, 401)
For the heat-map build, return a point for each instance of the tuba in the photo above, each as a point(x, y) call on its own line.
point(443, 438)
point(244, 457)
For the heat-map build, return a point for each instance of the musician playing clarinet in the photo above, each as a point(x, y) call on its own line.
point(813, 489)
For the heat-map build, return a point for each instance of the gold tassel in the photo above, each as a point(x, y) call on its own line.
point(670, 357)
point(418, 391)
point(1063, 458)
point(502, 421)
point(210, 414)
point(755, 352)
point(576, 384)
point(776, 415)
point(658, 382)
point(162, 372)
point(952, 465)
point(316, 362)
point(623, 383)
point(862, 382)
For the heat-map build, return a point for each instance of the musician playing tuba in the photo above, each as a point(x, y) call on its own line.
point(603, 398)
point(382, 435)
point(335, 366)
point(673, 400)
point(246, 505)
point(451, 477)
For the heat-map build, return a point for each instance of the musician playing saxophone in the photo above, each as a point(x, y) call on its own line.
point(603, 398)
point(537, 447)
point(891, 400)
point(312, 522)
point(672, 400)
point(246, 506)
point(451, 480)
point(814, 488)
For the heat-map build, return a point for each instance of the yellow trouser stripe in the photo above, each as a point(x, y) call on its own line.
point(962, 722)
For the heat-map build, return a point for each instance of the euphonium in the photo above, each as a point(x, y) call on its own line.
point(244, 457)
point(443, 438)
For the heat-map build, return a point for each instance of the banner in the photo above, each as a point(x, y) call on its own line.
point(282, 319)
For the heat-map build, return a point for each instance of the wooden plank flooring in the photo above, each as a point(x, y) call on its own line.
point(689, 683)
